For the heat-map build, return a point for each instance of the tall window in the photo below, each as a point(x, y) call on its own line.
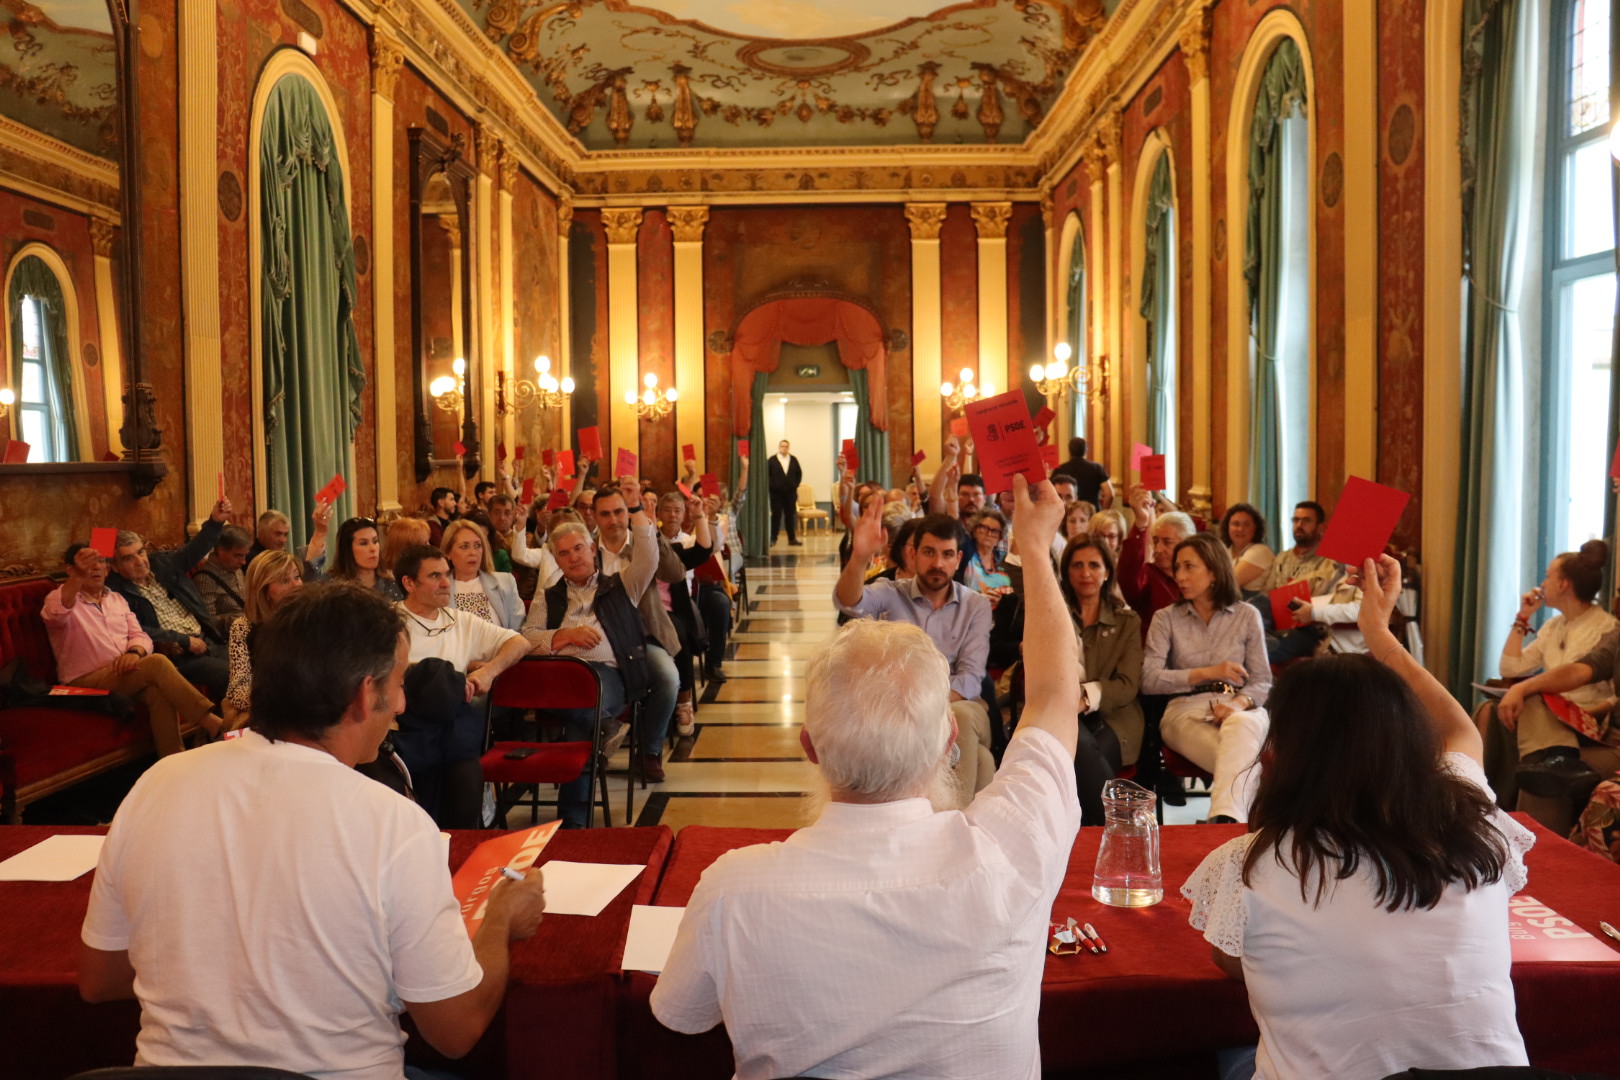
point(1294, 315)
point(1075, 331)
point(1158, 308)
point(40, 362)
point(1577, 353)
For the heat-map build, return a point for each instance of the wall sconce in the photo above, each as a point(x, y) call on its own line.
point(652, 405)
point(1058, 379)
point(446, 389)
point(545, 391)
point(957, 396)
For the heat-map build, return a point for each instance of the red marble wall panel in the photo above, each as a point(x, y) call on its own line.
point(248, 32)
point(959, 310)
point(655, 299)
point(23, 221)
point(864, 251)
point(1401, 150)
point(537, 329)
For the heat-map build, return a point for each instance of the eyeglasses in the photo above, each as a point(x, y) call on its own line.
point(989, 530)
point(433, 631)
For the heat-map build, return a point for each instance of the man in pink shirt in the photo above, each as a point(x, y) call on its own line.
point(99, 643)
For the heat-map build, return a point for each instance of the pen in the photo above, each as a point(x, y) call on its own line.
point(510, 874)
point(1611, 931)
point(1091, 932)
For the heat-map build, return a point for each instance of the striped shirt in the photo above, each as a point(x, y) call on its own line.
point(1179, 641)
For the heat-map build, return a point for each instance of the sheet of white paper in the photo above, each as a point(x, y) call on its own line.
point(652, 935)
point(574, 888)
point(57, 858)
point(1489, 691)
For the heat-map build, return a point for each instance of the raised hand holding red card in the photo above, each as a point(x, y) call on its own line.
point(959, 427)
point(852, 456)
point(742, 448)
point(1152, 469)
point(590, 443)
point(1282, 613)
point(1004, 436)
point(105, 542)
point(626, 463)
point(1363, 521)
point(709, 484)
point(528, 490)
point(565, 462)
point(688, 452)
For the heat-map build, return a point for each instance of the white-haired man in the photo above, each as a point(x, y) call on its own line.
point(1147, 554)
point(889, 938)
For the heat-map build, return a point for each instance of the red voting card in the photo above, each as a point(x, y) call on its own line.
point(460, 448)
point(590, 443)
point(1044, 417)
point(852, 456)
point(1049, 456)
point(683, 489)
point(517, 455)
point(918, 458)
point(558, 500)
point(500, 451)
point(1152, 468)
point(1282, 596)
point(1614, 466)
point(626, 465)
point(1138, 452)
point(528, 490)
point(1362, 522)
point(959, 427)
point(548, 458)
point(709, 484)
point(221, 496)
point(16, 453)
point(334, 487)
point(688, 452)
point(108, 456)
point(1537, 932)
point(565, 462)
point(105, 541)
point(482, 870)
point(1004, 436)
point(742, 448)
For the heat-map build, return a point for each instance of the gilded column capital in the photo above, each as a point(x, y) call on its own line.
point(489, 150)
point(565, 215)
point(1194, 41)
point(1048, 208)
point(622, 224)
point(509, 170)
point(925, 219)
point(992, 219)
point(102, 235)
point(387, 57)
point(1102, 152)
point(688, 222)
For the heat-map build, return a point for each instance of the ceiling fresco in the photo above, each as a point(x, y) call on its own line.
point(652, 74)
point(58, 71)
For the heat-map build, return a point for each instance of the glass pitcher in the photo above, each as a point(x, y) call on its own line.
point(1128, 863)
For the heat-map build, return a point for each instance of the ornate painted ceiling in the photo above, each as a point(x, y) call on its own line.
point(58, 71)
point(648, 74)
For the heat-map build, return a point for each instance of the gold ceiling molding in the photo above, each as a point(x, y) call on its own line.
point(926, 219)
point(36, 164)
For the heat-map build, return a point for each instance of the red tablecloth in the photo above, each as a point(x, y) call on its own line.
point(560, 1008)
point(1156, 998)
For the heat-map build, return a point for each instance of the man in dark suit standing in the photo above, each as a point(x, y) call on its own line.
point(785, 477)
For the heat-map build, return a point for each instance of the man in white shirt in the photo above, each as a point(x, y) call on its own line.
point(889, 938)
point(270, 906)
point(441, 750)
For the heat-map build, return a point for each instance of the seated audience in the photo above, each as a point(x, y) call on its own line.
point(220, 580)
point(269, 906)
point(1077, 517)
point(1300, 562)
point(1091, 482)
point(440, 738)
point(985, 574)
point(1208, 651)
point(1149, 581)
point(158, 588)
point(953, 615)
point(970, 498)
point(1372, 887)
point(358, 560)
point(937, 920)
point(902, 555)
point(676, 513)
point(442, 508)
point(503, 518)
point(98, 642)
point(594, 614)
point(402, 533)
point(1109, 528)
point(1111, 649)
point(539, 560)
point(1243, 531)
point(483, 491)
point(272, 578)
point(271, 533)
point(478, 588)
point(714, 592)
point(1326, 623)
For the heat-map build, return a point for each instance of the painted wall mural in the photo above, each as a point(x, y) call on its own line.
point(58, 71)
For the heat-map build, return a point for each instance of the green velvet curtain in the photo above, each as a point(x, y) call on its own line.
point(1076, 330)
point(1281, 95)
point(756, 515)
point(1501, 50)
point(1157, 307)
point(313, 377)
point(32, 277)
point(871, 445)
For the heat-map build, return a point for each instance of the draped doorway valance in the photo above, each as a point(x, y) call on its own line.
point(809, 320)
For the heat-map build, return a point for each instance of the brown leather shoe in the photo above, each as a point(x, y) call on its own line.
point(651, 767)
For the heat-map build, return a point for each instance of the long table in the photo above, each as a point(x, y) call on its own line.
point(560, 1017)
point(1156, 999)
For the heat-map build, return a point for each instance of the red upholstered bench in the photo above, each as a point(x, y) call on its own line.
point(43, 751)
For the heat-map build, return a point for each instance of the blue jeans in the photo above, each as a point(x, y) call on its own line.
point(1284, 645)
point(716, 608)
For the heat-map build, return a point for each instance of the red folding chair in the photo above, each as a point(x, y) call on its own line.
point(547, 682)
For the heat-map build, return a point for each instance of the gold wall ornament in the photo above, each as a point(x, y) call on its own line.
point(991, 115)
point(685, 118)
point(489, 149)
point(102, 235)
point(687, 222)
point(619, 118)
point(925, 219)
point(1048, 208)
point(622, 223)
point(991, 219)
point(565, 215)
point(509, 168)
point(925, 113)
point(1194, 40)
point(584, 104)
point(387, 57)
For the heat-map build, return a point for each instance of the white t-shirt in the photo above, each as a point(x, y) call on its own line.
point(469, 638)
point(1563, 641)
point(278, 907)
point(887, 939)
point(1350, 991)
point(1256, 555)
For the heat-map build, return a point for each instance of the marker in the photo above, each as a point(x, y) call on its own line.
point(1091, 932)
point(1611, 931)
point(510, 874)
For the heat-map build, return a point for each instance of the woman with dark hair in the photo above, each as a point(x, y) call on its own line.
point(1367, 907)
point(358, 559)
point(1111, 644)
point(1208, 650)
point(1243, 531)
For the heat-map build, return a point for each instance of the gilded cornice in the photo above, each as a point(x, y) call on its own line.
point(926, 219)
point(387, 57)
point(687, 222)
point(35, 164)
